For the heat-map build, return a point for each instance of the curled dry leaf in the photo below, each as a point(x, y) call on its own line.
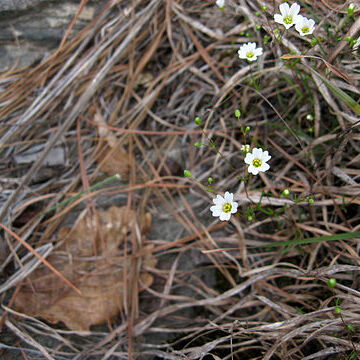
point(111, 157)
point(92, 257)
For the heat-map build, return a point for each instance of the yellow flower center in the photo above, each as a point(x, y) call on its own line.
point(305, 29)
point(227, 208)
point(257, 162)
point(249, 54)
point(288, 19)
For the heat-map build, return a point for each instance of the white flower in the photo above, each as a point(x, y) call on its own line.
point(245, 148)
point(249, 51)
point(304, 25)
point(257, 161)
point(224, 206)
point(288, 15)
point(220, 4)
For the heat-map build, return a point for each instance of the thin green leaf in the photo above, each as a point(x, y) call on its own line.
point(348, 100)
point(342, 236)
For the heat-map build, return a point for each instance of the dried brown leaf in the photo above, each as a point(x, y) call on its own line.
point(92, 257)
point(112, 158)
point(114, 161)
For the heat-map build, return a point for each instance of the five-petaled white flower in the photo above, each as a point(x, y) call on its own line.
point(224, 206)
point(220, 4)
point(304, 25)
point(249, 51)
point(288, 15)
point(257, 161)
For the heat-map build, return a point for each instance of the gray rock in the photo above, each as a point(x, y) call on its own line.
point(11, 5)
point(31, 29)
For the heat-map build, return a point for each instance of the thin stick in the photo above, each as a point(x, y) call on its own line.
point(44, 261)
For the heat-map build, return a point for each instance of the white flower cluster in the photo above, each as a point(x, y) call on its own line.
point(225, 206)
point(290, 16)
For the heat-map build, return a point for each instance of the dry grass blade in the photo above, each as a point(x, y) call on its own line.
point(160, 277)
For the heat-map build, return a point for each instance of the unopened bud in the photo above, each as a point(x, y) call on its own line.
point(351, 9)
point(286, 192)
point(187, 173)
point(331, 283)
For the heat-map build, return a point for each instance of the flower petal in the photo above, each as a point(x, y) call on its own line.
point(219, 200)
point(249, 158)
point(228, 197)
point(257, 153)
point(288, 26)
point(311, 23)
point(284, 9)
point(216, 212)
point(253, 170)
point(266, 157)
point(279, 19)
point(294, 9)
point(225, 216)
point(234, 207)
point(264, 167)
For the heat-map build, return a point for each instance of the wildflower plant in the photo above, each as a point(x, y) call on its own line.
point(255, 158)
point(245, 147)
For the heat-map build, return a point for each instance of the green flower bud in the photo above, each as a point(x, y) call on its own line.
point(258, 27)
point(311, 201)
point(197, 121)
point(286, 192)
point(311, 130)
point(266, 39)
point(351, 9)
point(250, 218)
point(331, 283)
point(337, 310)
point(197, 144)
point(237, 113)
point(187, 173)
point(263, 8)
point(257, 13)
point(247, 129)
